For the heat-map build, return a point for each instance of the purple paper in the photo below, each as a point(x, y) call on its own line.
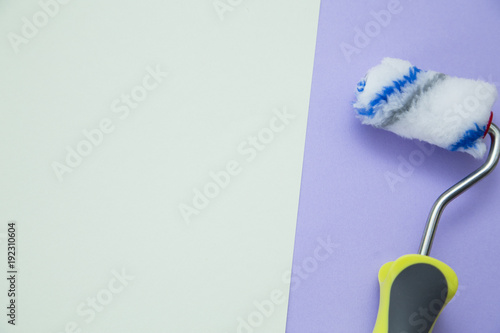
point(371, 191)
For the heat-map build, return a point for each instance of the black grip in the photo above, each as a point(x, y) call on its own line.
point(418, 295)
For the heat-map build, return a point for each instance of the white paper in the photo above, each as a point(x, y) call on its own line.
point(112, 114)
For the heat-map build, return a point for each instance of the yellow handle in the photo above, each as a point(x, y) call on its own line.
point(414, 290)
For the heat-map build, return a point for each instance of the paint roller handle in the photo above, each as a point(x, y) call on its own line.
point(414, 290)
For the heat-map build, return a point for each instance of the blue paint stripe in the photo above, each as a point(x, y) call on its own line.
point(387, 91)
point(469, 139)
point(361, 85)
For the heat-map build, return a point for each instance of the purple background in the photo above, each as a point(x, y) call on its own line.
point(344, 193)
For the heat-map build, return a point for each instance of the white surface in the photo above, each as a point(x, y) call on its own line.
point(119, 208)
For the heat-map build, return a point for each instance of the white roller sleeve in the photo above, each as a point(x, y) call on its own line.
point(452, 113)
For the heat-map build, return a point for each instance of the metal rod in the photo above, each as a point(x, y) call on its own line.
point(459, 188)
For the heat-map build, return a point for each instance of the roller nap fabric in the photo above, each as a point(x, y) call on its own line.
point(450, 112)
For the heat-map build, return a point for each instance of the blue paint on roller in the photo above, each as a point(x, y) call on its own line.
point(361, 85)
point(387, 91)
point(469, 138)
